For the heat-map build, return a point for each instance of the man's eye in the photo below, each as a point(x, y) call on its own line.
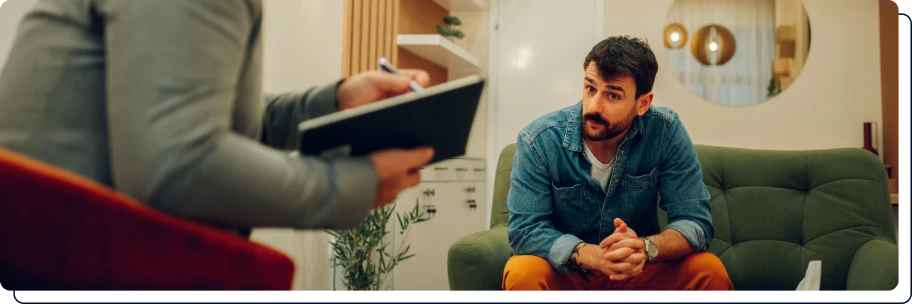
point(590, 89)
point(614, 96)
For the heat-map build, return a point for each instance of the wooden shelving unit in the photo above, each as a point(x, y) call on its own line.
point(439, 50)
point(462, 5)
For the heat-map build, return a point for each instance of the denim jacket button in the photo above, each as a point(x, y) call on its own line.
point(617, 181)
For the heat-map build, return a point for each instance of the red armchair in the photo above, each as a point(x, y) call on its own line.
point(60, 231)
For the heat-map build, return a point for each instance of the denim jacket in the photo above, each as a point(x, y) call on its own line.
point(555, 203)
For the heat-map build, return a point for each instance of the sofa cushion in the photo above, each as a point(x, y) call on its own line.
point(775, 211)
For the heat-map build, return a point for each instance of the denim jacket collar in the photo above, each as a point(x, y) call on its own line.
point(573, 138)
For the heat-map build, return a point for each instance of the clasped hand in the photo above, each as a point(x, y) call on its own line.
point(621, 255)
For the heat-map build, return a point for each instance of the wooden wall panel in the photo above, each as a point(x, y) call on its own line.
point(365, 35)
point(369, 31)
point(889, 83)
point(381, 29)
point(354, 54)
point(395, 24)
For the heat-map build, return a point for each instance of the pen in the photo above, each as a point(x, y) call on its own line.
point(386, 66)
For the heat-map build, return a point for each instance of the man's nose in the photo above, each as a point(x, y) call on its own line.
point(595, 104)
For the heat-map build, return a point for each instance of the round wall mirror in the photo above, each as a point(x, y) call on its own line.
point(737, 53)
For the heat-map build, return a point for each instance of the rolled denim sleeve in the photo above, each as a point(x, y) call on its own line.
point(684, 195)
point(530, 201)
point(693, 232)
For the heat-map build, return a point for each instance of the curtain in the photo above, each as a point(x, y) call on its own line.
point(743, 80)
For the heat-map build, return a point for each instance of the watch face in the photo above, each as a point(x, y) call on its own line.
point(651, 249)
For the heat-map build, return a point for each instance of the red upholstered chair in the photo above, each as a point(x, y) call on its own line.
point(61, 231)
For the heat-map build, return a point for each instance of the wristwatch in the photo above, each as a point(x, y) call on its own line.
point(652, 251)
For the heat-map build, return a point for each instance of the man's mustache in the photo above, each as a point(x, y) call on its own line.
point(596, 118)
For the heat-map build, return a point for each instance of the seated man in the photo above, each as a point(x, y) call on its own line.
point(585, 184)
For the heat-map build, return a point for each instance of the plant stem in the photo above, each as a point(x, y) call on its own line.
point(380, 265)
point(396, 257)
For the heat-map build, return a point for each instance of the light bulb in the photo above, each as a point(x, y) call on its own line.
point(675, 36)
point(713, 46)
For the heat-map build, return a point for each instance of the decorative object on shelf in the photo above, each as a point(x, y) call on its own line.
point(448, 31)
point(868, 138)
point(713, 45)
point(675, 36)
point(363, 252)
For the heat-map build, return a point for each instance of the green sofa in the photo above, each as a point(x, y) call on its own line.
point(773, 212)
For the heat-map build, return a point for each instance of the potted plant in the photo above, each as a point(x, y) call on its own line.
point(448, 31)
point(363, 252)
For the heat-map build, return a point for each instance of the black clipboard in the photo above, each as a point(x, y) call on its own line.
point(441, 118)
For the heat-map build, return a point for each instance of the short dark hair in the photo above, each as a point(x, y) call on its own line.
point(621, 56)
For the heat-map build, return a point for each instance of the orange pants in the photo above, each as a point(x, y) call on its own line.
point(698, 271)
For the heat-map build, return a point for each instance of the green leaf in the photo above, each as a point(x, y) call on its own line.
point(407, 247)
point(452, 20)
point(406, 257)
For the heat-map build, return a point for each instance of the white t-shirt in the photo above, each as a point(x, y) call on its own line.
point(600, 171)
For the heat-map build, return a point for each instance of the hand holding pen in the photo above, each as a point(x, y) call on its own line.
point(377, 85)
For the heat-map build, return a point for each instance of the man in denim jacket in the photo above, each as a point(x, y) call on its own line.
point(586, 180)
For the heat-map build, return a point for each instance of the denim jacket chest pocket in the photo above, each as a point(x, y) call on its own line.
point(570, 207)
point(638, 190)
point(642, 182)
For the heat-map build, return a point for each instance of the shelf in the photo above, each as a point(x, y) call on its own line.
point(438, 50)
point(462, 5)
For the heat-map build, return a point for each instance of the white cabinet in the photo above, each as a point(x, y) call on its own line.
point(455, 189)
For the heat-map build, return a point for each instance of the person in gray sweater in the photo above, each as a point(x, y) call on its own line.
point(162, 100)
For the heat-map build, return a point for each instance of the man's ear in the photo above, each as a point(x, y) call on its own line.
point(643, 103)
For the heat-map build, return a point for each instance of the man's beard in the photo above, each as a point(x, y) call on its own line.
point(609, 131)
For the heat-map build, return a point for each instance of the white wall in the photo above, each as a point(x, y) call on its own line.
point(477, 36)
point(536, 65)
point(11, 13)
point(825, 107)
point(302, 47)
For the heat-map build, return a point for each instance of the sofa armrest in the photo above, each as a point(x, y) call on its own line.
point(476, 261)
point(874, 267)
